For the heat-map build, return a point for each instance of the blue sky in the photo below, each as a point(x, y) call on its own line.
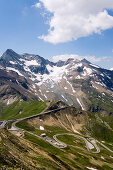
point(21, 23)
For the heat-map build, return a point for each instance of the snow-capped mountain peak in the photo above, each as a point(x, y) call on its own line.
point(64, 80)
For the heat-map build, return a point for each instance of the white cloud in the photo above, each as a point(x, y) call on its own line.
point(111, 69)
point(95, 59)
point(66, 57)
point(73, 19)
point(37, 5)
point(92, 59)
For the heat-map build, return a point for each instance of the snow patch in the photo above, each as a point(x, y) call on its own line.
point(108, 77)
point(8, 102)
point(55, 76)
point(12, 62)
point(94, 65)
point(34, 86)
point(13, 69)
point(102, 84)
point(31, 63)
point(40, 98)
point(64, 98)
point(87, 71)
point(45, 96)
point(78, 77)
point(94, 86)
point(102, 74)
point(21, 59)
point(69, 84)
point(80, 104)
point(40, 92)
point(75, 66)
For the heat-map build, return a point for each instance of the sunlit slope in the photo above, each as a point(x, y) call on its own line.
point(22, 109)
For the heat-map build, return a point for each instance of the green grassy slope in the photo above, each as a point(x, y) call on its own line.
point(18, 153)
point(22, 109)
point(100, 126)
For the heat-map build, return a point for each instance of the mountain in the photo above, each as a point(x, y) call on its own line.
point(14, 87)
point(76, 82)
point(85, 61)
point(41, 130)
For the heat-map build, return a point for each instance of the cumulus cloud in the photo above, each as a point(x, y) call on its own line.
point(72, 19)
point(66, 57)
point(92, 59)
point(111, 69)
point(96, 60)
point(37, 5)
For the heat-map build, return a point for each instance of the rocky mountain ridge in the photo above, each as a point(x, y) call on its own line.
point(73, 81)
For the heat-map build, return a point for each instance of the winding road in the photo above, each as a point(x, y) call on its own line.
point(91, 143)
